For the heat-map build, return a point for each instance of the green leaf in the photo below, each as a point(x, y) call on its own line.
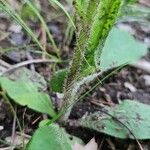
point(134, 116)
point(57, 80)
point(27, 13)
point(25, 74)
point(120, 48)
point(49, 138)
point(27, 93)
point(72, 139)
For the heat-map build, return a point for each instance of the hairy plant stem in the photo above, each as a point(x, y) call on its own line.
point(92, 31)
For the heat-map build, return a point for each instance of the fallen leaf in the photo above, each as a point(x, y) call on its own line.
point(27, 93)
point(18, 140)
point(91, 145)
point(127, 120)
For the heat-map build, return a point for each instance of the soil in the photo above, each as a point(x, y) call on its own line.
point(129, 83)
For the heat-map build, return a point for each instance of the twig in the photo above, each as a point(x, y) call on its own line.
point(6, 148)
point(4, 64)
point(111, 144)
point(19, 65)
point(23, 126)
point(101, 144)
point(37, 119)
point(13, 132)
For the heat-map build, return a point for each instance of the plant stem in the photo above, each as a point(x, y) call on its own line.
point(92, 31)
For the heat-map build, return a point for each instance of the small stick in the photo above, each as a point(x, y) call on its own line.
point(6, 148)
point(101, 144)
point(19, 65)
point(36, 120)
point(112, 146)
point(13, 132)
point(4, 64)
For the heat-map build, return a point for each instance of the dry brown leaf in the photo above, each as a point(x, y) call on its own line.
point(18, 140)
point(91, 145)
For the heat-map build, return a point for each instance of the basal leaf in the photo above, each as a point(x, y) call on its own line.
point(120, 48)
point(134, 116)
point(27, 94)
point(25, 74)
point(49, 138)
